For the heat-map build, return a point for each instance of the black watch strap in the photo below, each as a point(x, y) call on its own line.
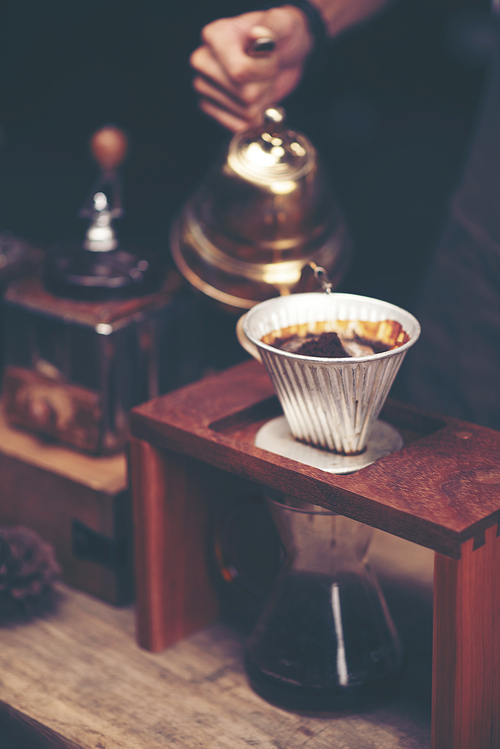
point(315, 20)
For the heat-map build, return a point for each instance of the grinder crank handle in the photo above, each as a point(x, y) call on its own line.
point(109, 147)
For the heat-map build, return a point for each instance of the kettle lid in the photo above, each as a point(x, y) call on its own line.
point(269, 153)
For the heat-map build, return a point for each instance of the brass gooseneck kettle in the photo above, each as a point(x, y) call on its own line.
point(264, 213)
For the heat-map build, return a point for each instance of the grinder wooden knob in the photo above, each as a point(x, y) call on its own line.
point(109, 147)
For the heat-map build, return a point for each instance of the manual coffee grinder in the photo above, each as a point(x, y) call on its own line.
point(82, 338)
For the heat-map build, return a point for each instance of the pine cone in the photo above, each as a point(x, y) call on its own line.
point(28, 568)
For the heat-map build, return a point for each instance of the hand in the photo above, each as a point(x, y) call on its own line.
point(234, 87)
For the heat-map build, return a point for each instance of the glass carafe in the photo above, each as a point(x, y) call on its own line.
point(325, 640)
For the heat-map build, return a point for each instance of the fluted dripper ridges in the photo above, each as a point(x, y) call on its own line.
point(332, 406)
point(329, 403)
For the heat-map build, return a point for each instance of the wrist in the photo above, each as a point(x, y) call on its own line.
point(301, 25)
point(298, 16)
point(311, 21)
point(315, 22)
point(317, 31)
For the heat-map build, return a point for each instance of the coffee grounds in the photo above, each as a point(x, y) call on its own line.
point(377, 346)
point(291, 342)
point(327, 345)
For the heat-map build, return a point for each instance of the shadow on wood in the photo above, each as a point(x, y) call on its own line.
point(17, 731)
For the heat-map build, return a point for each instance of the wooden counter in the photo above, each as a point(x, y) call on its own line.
point(80, 673)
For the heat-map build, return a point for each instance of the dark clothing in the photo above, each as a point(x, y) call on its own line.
point(455, 367)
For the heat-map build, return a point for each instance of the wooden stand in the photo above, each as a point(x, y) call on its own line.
point(442, 491)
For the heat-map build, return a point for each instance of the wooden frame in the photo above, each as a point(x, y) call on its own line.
point(442, 491)
point(466, 647)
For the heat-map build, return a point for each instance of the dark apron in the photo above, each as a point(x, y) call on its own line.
point(455, 367)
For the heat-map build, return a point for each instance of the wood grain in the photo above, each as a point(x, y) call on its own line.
point(47, 487)
point(30, 293)
point(105, 474)
point(174, 591)
point(442, 488)
point(466, 660)
point(80, 674)
point(69, 413)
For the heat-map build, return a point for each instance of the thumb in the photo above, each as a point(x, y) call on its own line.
point(285, 35)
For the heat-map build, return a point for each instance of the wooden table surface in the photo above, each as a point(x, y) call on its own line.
point(80, 673)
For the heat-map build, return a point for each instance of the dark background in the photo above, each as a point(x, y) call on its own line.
point(391, 110)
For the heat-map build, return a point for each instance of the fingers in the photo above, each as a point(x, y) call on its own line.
point(204, 61)
point(241, 76)
point(235, 86)
point(229, 39)
point(207, 90)
point(234, 105)
point(226, 119)
point(227, 110)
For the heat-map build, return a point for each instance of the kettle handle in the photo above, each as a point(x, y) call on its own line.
point(245, 342)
